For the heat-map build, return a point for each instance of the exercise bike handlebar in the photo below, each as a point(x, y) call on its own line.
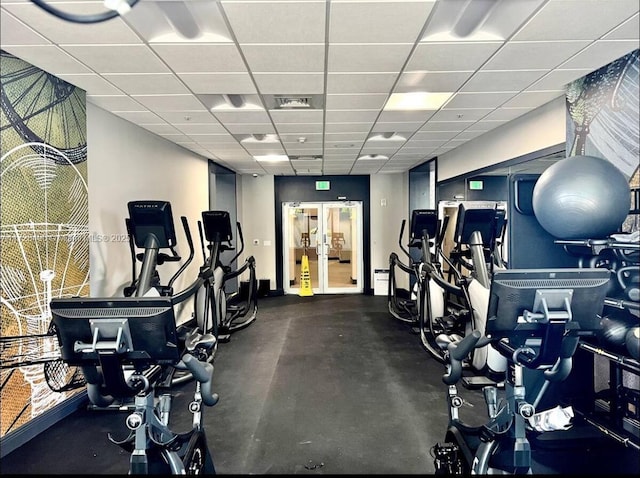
point(203, 373)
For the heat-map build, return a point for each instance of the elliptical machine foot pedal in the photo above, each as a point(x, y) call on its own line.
point(476, 383)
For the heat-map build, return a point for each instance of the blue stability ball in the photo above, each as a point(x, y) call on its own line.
point(581, 197)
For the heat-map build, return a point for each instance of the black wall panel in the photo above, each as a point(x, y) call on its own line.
point(303, 189)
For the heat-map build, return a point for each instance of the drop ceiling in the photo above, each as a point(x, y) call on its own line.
point(231, 80)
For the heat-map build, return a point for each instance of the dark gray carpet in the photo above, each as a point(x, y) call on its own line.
point(322, 384)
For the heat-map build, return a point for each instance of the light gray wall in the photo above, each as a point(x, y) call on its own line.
point(257, 215)
point(386, 220)
point(543, 127)
point(127, 163)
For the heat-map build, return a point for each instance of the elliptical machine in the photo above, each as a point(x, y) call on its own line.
point(153, 217)
point(535, 320)
point(232, 311)
point(406, 309)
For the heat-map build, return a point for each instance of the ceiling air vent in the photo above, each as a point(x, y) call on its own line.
point(293, 101)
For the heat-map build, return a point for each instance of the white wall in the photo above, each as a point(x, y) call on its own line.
point(543, 127)
point(256, 197)
point(386, 220)
point(127, 163)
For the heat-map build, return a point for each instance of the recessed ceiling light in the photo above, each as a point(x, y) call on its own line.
point(387, 137)
point(261, 138)
point(416, 101)
point(373, 156)
point(271, 158)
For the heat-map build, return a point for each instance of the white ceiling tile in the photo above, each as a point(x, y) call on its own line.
point(92, 82)
point(296, 116)
point(506, 114)
point(185, 117)
point(49, 58)
point(276, 22)
point(309, 138)
point(346, 136)
point(242, 116)
point(590, 19)
point(533, 99)
point(534, 55)
point(304, 151)
point(116, 103)
point(216, 138)
point(355, 102)
point(354, 116)
point(15, 32)
point(385, 149)
point(446, 126)
point(627, 31)
point(294, 58)
point(433, 81)
point(360, 82)
point(299, 128)
point(250, 128)
point(601, 53)
point(201, 58)
point(218, 83)
point(433, 135)
point(455, 114)
point(138, 117)
point(407, 126)
point(558, 79)
point(121, 59)
point(199, 128)
point(405, 116)
point(114, 31)
point(147, 84)
point(335, 127)
point(486, 125)
point(170, 102)
point(160, 128)
point(367, 57)
point(479, 100)
point(451, 56)
point(290, 83)
point(502, 80)
point(377, 22)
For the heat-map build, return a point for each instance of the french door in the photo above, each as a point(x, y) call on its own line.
point(329, 235)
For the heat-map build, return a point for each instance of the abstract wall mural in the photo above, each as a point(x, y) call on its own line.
point(44, 250)
point(603, 118)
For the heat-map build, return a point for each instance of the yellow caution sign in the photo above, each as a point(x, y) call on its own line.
point(305, 278)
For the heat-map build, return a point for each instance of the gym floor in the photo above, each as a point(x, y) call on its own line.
point(325, 384)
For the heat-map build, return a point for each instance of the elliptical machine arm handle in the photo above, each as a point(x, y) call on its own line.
point(404, 222)
point(187, 232)
point(205, 274)
point(241, 238)
point(457, 351)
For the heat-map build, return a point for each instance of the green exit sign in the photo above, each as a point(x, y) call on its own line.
point(476, 185)
point(323, 185)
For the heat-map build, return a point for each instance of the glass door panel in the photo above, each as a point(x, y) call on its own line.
point(329, 235)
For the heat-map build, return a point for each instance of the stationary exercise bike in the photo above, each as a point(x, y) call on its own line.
point(232, 311)
point(536, 318)
point(128, 347)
